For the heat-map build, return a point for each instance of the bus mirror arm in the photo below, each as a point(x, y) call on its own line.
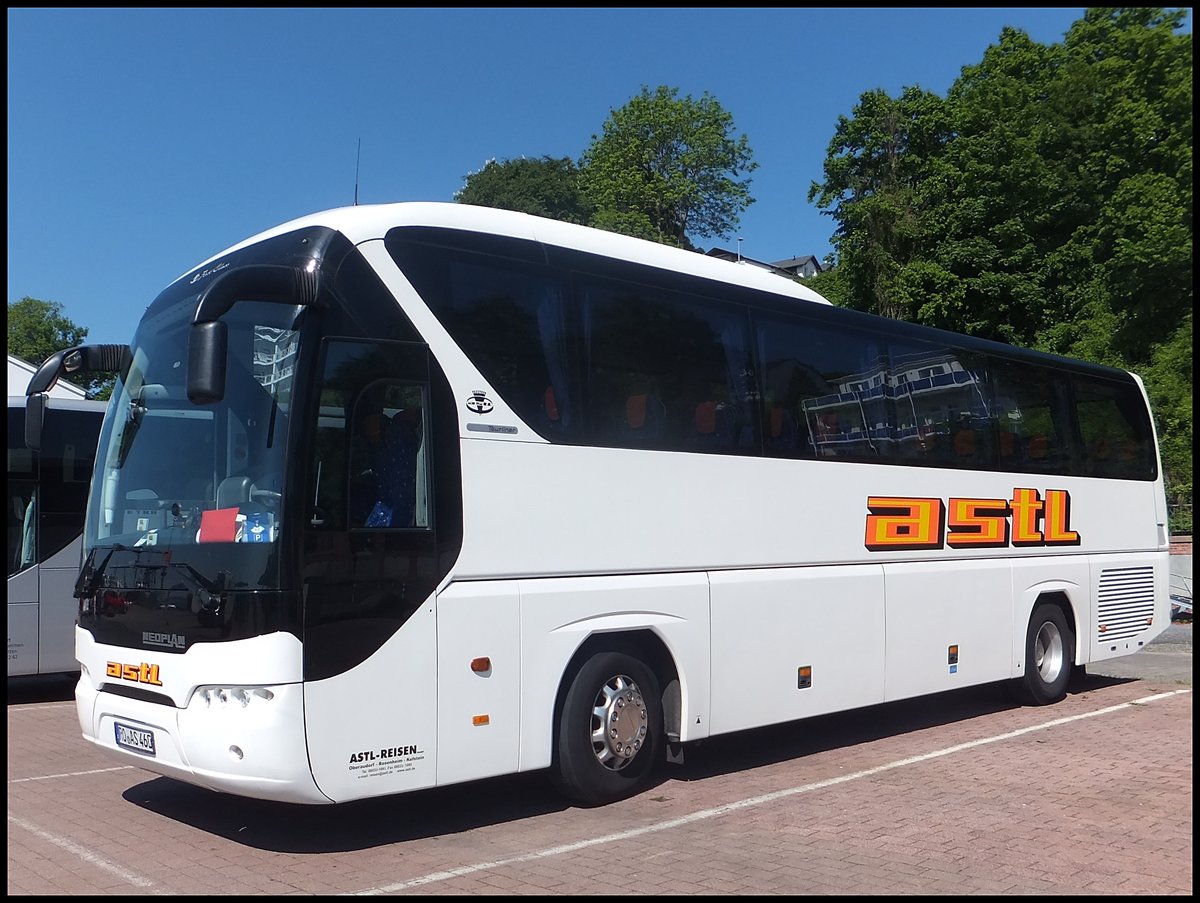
point(70, 362)
point(208, 340)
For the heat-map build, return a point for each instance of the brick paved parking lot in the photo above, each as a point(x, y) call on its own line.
point(962, 793)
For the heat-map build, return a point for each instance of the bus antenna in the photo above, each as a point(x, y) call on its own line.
point(356, 161)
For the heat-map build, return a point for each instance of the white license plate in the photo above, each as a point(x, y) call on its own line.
point(135, 739)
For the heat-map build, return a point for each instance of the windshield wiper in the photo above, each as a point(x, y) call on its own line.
point(274, 411)
point(133, 422)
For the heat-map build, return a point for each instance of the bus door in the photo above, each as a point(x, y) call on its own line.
point(47, 498)
point(369, 571)
point(22, 551)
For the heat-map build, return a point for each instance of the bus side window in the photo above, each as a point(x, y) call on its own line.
point(22, 547)
point(1111, 428)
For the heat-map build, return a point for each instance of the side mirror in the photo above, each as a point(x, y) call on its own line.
point(35, 415)
point(208, 347)
point(208, 340)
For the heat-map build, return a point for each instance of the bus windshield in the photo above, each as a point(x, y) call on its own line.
point(176, 474)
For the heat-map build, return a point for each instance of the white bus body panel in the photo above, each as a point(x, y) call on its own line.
point(42, 613)
point(1063, 575)
point(23, 622)
point(932, 606)
point(638, 510)
point(373, 729)
point(558, 615)
point(479, 712)
point(1131, 603)
point(768, 624)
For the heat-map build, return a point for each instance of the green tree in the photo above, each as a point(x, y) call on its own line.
point(877, 178)
point(997, 211)
point(37, 329)
point(545, 186)
point(1168, 378)
point(668, 169)
point(831, 284)
point(1124, 96)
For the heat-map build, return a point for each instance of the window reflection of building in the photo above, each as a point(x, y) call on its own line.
point(274, 356)
point(920, 397)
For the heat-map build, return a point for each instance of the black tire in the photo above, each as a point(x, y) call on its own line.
point(1049, 657)
point(609, 735)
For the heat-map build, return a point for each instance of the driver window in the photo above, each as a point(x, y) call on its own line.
point(385, 448)
point(369, 466)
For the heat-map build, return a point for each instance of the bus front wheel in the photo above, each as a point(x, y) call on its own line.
point(1049, 656)
point(610, 730)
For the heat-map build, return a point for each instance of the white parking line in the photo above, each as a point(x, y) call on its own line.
point(85, 854)
point(69, 774)
point(40, 706)
point(435, 877)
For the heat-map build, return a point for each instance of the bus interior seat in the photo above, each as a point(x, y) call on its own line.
point(783, 430)
point(233, 491)
point(705, 418)
point(550, 403)
point(635, 411)
point(965, 443)
point(775, 423)
point(645, 417)
point(1006, 441)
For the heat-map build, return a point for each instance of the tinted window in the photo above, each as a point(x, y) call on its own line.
point(369, 466)
point(512, 320)
point(823, 390)
point(594, 350)
point(1034, 419)
point(1114, 430)
point(20, 495)
point(666, 370)
point(941, 406)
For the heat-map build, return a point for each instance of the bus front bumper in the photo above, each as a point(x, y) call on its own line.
point(248, 745)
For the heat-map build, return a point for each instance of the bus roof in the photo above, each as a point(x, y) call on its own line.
point(63, 404)
point(373, 221)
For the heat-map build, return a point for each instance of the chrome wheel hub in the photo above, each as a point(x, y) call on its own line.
point(619, 722)
point(1048, 652)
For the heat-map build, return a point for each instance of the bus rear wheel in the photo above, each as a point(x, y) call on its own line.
point(609, 734)
point(1049, 656)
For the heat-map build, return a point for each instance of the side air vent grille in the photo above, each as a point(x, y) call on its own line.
point(1126, 603)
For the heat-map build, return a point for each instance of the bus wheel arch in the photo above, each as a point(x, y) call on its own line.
point(1050, 651)
point(611, 716)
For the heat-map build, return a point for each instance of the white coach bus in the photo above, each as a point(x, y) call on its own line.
point(400, 496)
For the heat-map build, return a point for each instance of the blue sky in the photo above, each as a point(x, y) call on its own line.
point(142, 141)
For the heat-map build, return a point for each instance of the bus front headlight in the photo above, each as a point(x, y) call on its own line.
point(221, 696)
